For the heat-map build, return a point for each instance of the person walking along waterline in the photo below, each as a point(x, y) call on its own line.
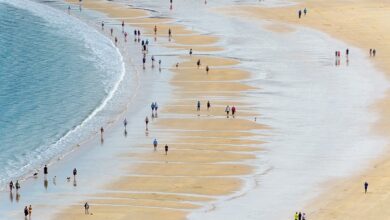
point(11, 186)
point(86, 208)
point(166, 149)
point(233, 111)
point(198, 106)
point(125, 123)
point(208, 105)
point(29, 211)
point(74, 173)
point(17, 186)
point(25, 212)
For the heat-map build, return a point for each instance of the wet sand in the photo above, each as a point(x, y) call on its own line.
point(364, 24)
point(208, 152)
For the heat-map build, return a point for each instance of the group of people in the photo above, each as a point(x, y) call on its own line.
point(337, 55)
point(27, 212)
point(232, 109)
point(300, 12)
point(372, 52)
point(198, 106)
point(299, 216)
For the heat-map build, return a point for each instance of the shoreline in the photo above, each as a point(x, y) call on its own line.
point(151, 185)
point(343, 197)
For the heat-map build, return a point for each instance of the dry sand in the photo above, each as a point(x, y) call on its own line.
point(365, 24)
point(200, 143)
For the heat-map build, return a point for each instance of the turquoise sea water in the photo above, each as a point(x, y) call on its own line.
point(55, 73)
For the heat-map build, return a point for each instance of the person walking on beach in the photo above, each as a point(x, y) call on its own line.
point(191, 52)
point(86, 208)
point(135, 35)
point(198, 63)
point(45, 171)
point(101, 132)
point(152, 61)
point(69, 10)
point(152, 106)
point(373, 52)
point(208, 105)
point(102, 25)
point(17, 186)
point(155, 143)
point(296, 216)
point(155, 108)
point(125, 36)
point(227, 110)
point(299, 216)
point(125, 123)
point(29, 211)
point(198, 106)
point(347, 52)
point(305, 11)
point(116, 41)
point(111, 31)
point(233, 111)
point(303, 216)
point(123, 26)
point(207, 69)
point(169, 34)
point(365, 187)
point(155, 29)
point(11, 186)
point(25, 212)
point(74, 173)
point(146, 122)
point(299, 14)
point(370, 52)
point(166, 149)
point(143, 62)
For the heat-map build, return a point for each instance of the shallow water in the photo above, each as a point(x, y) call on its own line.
point(319, 113)
point(53, 78)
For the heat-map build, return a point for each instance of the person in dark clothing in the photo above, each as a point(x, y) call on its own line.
point(365, 187)
point(166, 149)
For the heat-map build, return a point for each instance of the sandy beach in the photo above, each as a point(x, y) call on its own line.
point(292, 114)
point(206, 149)
point(363, 24)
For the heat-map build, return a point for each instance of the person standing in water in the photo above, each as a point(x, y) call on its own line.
point(69, 9)
point(146, 122)
point(102, 25)
point(365, 187)
point(155, 143)
point(347, 52)
point(111, 31)
point(191, 52)
point(208, 105)
point(152, 61)
point(166, 149)
point(143, 62)
point(159, 65)
point(123, 26)
point(45, 171)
